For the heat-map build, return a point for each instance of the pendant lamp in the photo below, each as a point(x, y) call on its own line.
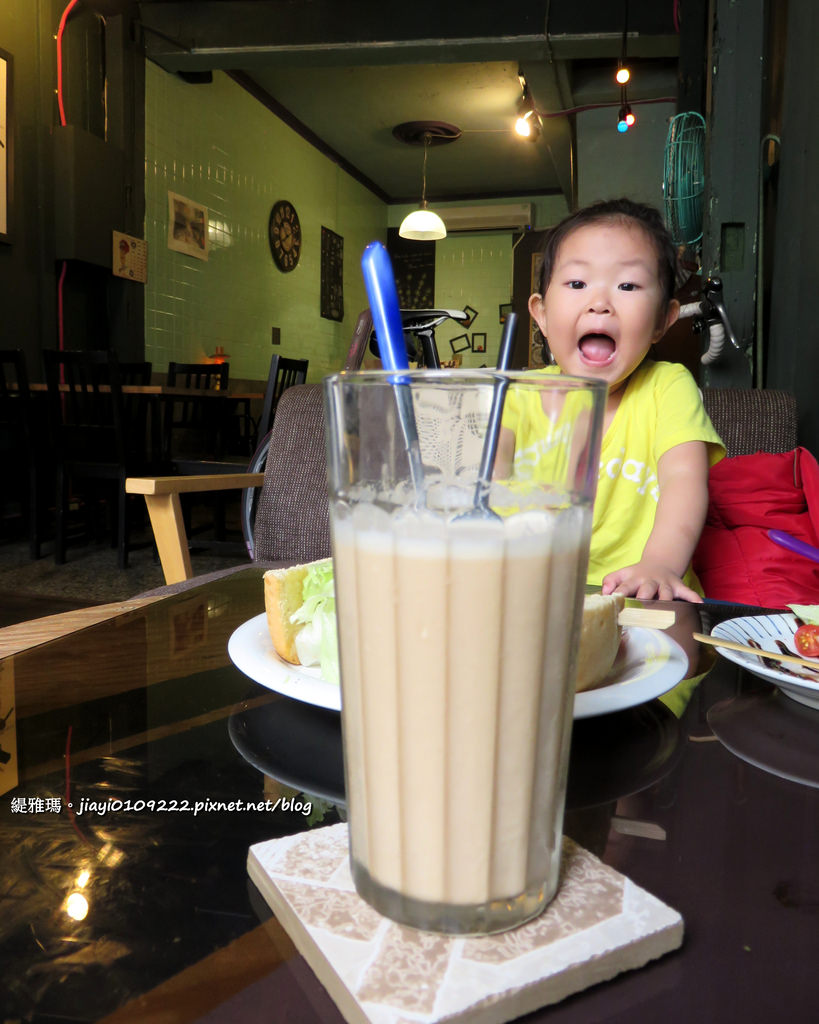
point(423, 224)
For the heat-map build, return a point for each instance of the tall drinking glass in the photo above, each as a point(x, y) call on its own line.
point(458, 627)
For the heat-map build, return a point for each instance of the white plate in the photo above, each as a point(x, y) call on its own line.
point(766, 630)
point(649, 664)
point(251, 650)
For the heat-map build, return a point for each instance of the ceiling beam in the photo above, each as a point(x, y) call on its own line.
point(223, 34)
point(548, 86)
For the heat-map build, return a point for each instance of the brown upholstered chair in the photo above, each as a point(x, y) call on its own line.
point(291, 522)
point(292, 519)
point(752, 420)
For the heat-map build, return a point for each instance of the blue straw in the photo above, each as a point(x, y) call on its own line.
point(383, 298)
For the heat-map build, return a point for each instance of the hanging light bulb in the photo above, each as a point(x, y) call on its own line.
point(423, 225)
point(623, 74)
point(526, 125)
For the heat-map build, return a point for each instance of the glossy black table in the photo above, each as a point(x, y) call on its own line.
point(142, 725)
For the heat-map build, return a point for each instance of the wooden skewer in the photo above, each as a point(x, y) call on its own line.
point(730, 645)
point(651, 618)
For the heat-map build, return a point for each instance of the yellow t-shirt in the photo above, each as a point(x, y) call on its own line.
point(660, 408)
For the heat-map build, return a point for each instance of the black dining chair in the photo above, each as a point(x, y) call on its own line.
point(284, 373)
point(243, 433)
point(21, 448)
point(95, 450)
point(141, 412)
point(193, 426)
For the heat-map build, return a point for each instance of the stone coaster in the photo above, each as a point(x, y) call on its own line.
point(598, 925)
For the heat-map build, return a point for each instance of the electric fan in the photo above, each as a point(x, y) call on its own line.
point(684, 177)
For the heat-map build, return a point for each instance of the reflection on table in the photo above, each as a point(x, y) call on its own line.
point(142, 724)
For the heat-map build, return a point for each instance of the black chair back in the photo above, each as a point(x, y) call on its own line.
point(15, 398)
point(89, 427)
point(199, 375)
point(192, 428)
point(135, 373)
point(284, 373)
point(136, 407)
point(86, 407)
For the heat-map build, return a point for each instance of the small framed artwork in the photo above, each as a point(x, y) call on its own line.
point(478, 342)
point(504, 310)
point(460, 343)
point(6, 145)
point(470, 316)
point(187, 226)
point(129, 257)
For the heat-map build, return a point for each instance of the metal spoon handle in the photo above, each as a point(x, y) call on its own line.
point(490, 441)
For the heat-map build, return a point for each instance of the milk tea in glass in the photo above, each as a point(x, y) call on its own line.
point(458, 628)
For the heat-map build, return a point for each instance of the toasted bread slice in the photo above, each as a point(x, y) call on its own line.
point(599, 639)
point(283, 589)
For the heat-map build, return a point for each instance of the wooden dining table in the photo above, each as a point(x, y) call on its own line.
point(135, 743)
point(159, 396)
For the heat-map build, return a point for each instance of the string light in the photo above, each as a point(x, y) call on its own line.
point(526, 124)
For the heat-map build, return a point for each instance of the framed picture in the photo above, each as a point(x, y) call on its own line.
point(504, 310)
point(187, 226)
point(6, 145)
point(478, 342)
point(459, 344)
point(332, 275)
point(470, 316)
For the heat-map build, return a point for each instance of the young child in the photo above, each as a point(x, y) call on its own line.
point(606, 296)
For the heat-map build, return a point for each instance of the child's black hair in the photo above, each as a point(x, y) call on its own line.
point(613, 210)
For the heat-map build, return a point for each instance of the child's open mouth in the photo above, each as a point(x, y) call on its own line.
point(597, 349)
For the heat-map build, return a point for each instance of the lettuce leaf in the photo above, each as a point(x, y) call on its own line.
point(808, 613)
point(317, 641)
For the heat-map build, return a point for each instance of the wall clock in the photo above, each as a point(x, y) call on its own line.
point(284, 235)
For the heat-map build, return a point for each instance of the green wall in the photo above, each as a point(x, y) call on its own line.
point(475, 269)
point(218, 146)
point(222, 148)
point(26, 272)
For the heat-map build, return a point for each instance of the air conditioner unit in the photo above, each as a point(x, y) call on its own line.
point(498, 217)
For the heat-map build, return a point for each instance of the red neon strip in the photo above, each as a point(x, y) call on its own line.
point(60, 31)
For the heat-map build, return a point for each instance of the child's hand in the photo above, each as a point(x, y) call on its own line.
point(646, 581)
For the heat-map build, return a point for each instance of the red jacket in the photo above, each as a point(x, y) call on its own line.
point(735, 560)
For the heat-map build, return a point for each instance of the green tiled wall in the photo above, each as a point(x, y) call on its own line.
point(473, 270)
point(218, 146)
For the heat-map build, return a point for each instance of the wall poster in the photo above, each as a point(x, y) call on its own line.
point(187, 226)
point(413, 264)
point(332, 275)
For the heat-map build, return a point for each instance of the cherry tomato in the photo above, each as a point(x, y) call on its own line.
point(806, 640)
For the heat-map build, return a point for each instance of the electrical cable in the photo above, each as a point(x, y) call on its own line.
point(600, 106)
